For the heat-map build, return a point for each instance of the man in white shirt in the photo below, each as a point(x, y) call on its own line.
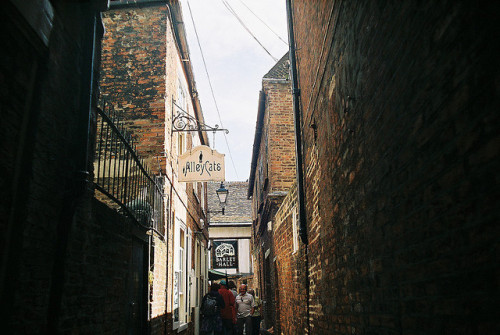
point(245, 305)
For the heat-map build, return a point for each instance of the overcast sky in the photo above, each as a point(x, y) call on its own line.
point(236, 64)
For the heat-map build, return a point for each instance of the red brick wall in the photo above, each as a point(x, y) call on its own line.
point(400, 199)
point(133, 72)
point(280, 136)
point(276, 163)
point(291, 269)
point(276, 160)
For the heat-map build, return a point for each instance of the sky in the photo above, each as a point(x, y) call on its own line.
point(236, 64)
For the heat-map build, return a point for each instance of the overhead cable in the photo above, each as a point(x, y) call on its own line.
point(231, 10)
point(211, 88)
point(251, 11)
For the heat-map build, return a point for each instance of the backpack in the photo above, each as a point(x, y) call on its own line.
point(209, 307)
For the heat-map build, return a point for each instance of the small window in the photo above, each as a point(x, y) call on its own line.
point(181, 143)
point(295, 230)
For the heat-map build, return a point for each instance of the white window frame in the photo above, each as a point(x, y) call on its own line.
point(180, 261)
point(295, 230)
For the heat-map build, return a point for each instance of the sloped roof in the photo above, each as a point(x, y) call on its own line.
point(280, 70)
point(238, 207)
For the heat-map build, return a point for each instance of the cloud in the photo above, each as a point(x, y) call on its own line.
point(236, 64)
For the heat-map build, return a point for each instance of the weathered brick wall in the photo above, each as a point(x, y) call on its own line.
point(158, 284)
point(136, 69)
point(98, 272)
point(133, 72)
point(280, 136)
point(45, 107)
point(401, 198)
point(274, 175)
point(275, 167)
point(291, 269)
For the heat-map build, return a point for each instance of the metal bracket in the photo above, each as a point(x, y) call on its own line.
point(185, 122)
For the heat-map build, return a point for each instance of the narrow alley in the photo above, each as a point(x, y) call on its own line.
point(369, 203)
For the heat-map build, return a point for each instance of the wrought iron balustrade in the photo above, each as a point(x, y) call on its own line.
point(120, 175)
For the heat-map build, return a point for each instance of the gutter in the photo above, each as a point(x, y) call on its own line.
point(175, 12)
point(256, 142)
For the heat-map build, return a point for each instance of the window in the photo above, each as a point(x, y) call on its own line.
point(181, 103)
point(295, 230)
point(203, 198)
point(181, 97)
point(181, 143)
point(187, 277)
point(181, 270)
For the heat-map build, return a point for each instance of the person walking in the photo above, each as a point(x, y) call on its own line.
point(228, 312)
point(244, 310)
point(256, 316)
point(232, 287)
point(211, 305)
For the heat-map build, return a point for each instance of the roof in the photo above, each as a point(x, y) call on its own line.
point(238, 207)
point(214, 275)
point(280, 70)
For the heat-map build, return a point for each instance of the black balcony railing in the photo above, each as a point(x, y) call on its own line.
point(120, 175)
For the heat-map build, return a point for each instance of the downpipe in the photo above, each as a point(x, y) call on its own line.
point(298, 152)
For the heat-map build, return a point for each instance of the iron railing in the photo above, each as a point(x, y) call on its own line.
point(120, 175)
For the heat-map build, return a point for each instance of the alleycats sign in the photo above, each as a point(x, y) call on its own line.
point(201, 164)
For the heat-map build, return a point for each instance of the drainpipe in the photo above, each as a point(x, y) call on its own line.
point(298, 152)
point(297, 122)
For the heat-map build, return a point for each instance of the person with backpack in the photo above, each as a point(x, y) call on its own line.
point(211, 305)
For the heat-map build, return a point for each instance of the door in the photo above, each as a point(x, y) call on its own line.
point(137, 290)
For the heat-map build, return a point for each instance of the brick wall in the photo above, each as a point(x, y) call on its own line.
point(133, 72)
point(291, 270)
point(400, 143)
point(274, 175)
point(45, 112)
point(280, 136)
point(98, 271)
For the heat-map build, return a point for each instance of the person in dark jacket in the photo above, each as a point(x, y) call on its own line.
point(211, 323)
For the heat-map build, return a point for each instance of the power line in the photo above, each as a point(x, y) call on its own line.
point(251, 11)
point(231, 10)
point(211, 88)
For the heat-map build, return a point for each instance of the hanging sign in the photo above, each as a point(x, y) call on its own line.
point(225, 254)
point(201, 164)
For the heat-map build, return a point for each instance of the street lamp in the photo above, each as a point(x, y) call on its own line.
point(222, 193)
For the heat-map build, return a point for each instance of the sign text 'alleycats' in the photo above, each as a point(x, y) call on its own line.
point(201, 164)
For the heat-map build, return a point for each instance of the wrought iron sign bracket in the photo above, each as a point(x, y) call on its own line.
point(185, 122)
